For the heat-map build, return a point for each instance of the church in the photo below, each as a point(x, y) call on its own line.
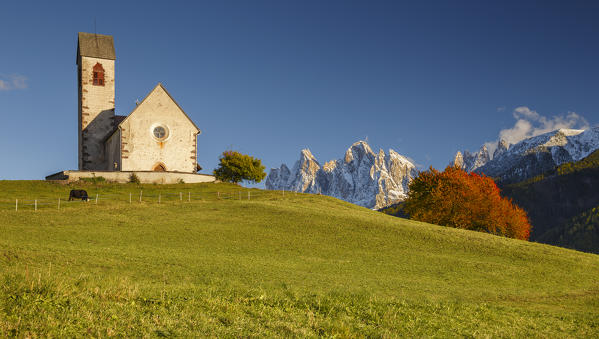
point(157, 141)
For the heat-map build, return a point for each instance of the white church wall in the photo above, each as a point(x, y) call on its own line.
point(142, 151)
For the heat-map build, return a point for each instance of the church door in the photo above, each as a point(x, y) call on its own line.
point(159, 168)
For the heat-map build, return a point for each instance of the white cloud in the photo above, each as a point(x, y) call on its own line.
point(12, 82)
point(530, 123)
point(19, 82)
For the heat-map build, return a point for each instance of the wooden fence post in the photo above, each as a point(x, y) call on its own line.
point(16, 205)
point(129, 197)
point(180, 196)
point(188, 196)
point(96, 198)
point(35, 203)
point(248, 195)
point(158, 197)
point(59, 204)
point(140, 193)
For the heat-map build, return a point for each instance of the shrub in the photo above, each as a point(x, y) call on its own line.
point(457, 199)
point(395, 210)
point(235, 167)
point(134, 179)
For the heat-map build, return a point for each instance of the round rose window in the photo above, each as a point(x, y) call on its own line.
point(160, 132)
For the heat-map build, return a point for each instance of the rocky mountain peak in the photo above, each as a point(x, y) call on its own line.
point(502, 146)
point(538, 154)
point(471, 161)
point(361, 176)
point(308, 162)
point(306, 154)
point(458, 160)
point(357, 151)
point(330, 165)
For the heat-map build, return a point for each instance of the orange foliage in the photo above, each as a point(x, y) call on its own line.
point(458, 199)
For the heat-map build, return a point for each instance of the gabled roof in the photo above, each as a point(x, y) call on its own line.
point(95, 46)
point(117, 121)
point(169, 95)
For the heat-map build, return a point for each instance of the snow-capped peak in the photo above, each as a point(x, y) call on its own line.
point(358, 150)
point(541, 153)
point(502, 146)
point(471, 161)
point(362, 177)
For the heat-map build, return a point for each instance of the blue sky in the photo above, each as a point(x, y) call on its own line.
point(268, 78)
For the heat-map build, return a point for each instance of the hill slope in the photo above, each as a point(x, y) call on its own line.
point(581, 232)
point(286, 265)
point(554, 198)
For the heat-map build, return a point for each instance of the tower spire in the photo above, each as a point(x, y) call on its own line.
point(95, 32)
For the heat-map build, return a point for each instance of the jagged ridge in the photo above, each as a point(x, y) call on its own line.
point(361, 177)
point(532, 156)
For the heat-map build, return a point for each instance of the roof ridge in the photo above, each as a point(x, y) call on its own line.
point(95, 45)
point(171, 97)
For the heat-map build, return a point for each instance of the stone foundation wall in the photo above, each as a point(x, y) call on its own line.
point(145, 177)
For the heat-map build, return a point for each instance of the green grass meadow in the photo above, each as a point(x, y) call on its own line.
point(211, 262)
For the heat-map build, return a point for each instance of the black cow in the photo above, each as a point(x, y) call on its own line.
point(78, 194)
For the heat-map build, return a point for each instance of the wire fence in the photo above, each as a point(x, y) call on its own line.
point(56, 202)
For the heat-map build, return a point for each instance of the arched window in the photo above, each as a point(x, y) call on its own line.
point(159, 167)
point(98, 75)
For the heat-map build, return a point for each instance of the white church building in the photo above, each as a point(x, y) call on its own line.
point(157, 141)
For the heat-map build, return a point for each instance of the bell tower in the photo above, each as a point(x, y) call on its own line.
point(95, 86)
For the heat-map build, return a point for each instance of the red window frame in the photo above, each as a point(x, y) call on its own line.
point(98, 75)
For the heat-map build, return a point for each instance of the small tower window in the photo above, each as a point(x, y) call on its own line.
point(98, 75)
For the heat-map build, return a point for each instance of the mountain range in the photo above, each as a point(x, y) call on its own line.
point(554, 177)
point(362, 177)
point(376, 180)
point(532, 156)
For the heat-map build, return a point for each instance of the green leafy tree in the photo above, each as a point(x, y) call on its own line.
point(235, 167)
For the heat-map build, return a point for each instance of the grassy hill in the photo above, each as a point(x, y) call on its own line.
point(284, 265)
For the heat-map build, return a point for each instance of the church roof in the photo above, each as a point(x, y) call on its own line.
point(118, 119)
point(96, 46)
point(169, 95)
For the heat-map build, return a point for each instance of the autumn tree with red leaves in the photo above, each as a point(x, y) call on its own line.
point(470, 201)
